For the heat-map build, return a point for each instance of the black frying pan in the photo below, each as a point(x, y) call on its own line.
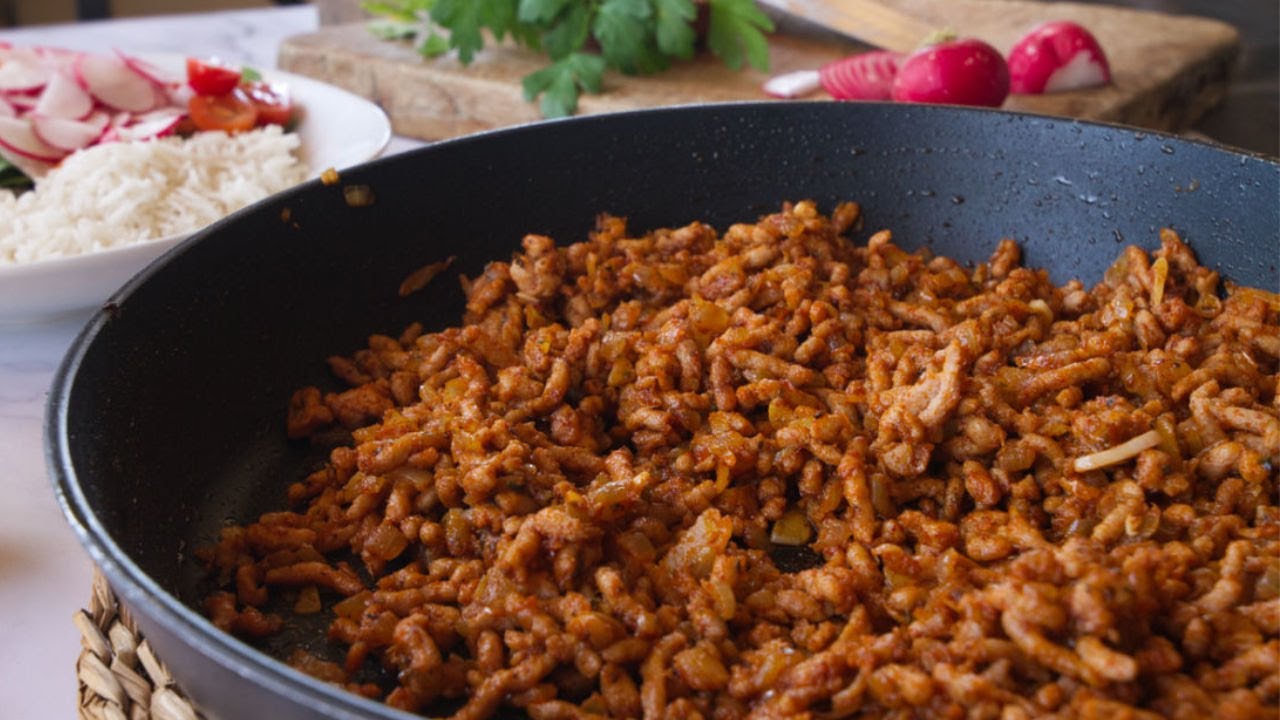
point(166, 418)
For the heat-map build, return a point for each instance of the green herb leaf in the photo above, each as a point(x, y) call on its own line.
point(569, 34)
point(391, 29)
point(542, 11)
point(559, 83)
point(406, 20)
point(249, 75)
point(624, 30)
point(433, 45)
point(463, 19)
point(675, 33)
point(634, 36)
point(737, 30)
point(499, 16)
point(466, 18)
point(405, 11)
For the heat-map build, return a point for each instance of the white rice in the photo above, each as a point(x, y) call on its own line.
point(117, 194)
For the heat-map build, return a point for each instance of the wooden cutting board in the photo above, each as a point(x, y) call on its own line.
point(1168, 70)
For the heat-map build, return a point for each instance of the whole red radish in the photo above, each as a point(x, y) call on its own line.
point(954, 72)
point(1056, 56)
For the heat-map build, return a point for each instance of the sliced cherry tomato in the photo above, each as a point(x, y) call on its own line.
point(272, 101)
point(208, 78)
point(232, 112)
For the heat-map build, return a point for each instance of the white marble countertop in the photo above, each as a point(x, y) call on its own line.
point(45, 575)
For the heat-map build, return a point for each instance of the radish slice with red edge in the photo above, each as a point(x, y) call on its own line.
point(150, 126)
point(33, 169)
point(115, 84)
point(116, 122)
point(22, 102)
point(180, 94)
point(792, 85)
point(953, 72)
point(1057, 56)
point(164, 113)
point(23, 73)
point(63, 97)
point(55, 57)
point(156, 74)
point(70, 135)
point(161, 99)
point(865, 76)
point(16, 135)
point(7, 109)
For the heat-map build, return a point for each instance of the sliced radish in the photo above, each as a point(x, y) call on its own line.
point(162, 99)
point(150, 126)
point(180, 94)
point(157, 123)
point(792, 84)
point(163, 114)
point(111, 81)
point(114, 124)
point(63, 97)
point(70, 135)
point(23, 72)
point(56, 57)
point(21, 102)
point(1081, 71)
point(34, 169)
point(1057, 56)
point(151, 71)
point(865, 76)
point(7, 109)
point(16, 135)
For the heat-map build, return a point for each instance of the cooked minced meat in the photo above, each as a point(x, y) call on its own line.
point(1018, 500)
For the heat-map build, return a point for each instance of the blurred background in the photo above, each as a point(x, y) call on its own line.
point(1249, 118)
point(40, 12)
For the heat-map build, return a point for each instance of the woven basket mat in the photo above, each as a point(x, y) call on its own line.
point(119, 677)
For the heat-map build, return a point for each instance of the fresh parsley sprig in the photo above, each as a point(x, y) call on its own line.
point(582, 38)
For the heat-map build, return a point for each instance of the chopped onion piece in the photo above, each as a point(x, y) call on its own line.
point(791, 529)
point(1119, 453)
point(358, 195)
point(1159, 274)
